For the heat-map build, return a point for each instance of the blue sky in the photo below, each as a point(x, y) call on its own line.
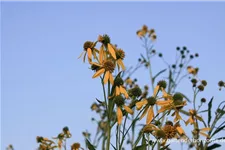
point(45, 87)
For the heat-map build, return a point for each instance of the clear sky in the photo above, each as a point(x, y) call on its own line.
point(45, 87)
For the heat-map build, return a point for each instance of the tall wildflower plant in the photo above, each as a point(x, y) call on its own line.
point(164, 110)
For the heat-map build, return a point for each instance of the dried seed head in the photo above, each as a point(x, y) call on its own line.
point(177, 97)
point(109, 65)
point(136, 91)
point(120, 54)
point(194, 81)
point(201, 88)
point(119, 100)
point(118, 81)
point(39, 139)
point(169, 123)
point(204, 82)
point(162, 84)
point(75, 146)
point(151, 100)
point(170, 131)
point(203, 100)
point(65, 130)
point(221, 83)
point(88, 44)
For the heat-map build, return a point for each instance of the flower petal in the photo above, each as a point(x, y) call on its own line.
point(141, 103)
point(150, 115)
point(89, 51)
point(106, 77)
point(144, 113)
point(205, 129)
point(120, 62)
point(128, 109)
point(119, 115)
point(156, 90)
point(98, 73)
point(111, 51)
point(101, 54)
point(111, 80)
point(123, 91)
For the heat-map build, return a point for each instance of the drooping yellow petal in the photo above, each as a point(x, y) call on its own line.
point(101, 54)
point(163, 102)
point(205, 129)
point(111, 51)
point(119, 115)
point(150, 115)
point(130, 111)
point(180, 130)
point(117, 91)
point(89, 51)
point(120, 62)
point(98, 73)
point(111, 80)
point(177, 116)
point(156, 90)
point(140, 104)
point(187, 122)
point(96, 64)
point(164, 108)
point(144, 113)
point(106, 78)
point(204, 134)
point(123, 91)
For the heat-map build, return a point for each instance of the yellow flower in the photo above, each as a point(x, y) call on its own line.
point(149, 102)
point(90, 50)
point(106, 67)
point(202, 130)
point(172, 104)
point(111, 50)
point(192, 70)
point(161, 85)
point(120, 54)
point(119, 101)
point(119, 88)
point(193, 117)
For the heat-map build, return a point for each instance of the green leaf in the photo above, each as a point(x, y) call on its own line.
point(113, 147)
point(138, 138)
point(141, 147)
point(218, 130)
point(160, 72)
point(99, 101)
point(213, 146)
point(185, 96)
point(89, 145)
point(165, 147)
point(209, 111)
point(143, 142)
point(203, 111)
point(217, 139)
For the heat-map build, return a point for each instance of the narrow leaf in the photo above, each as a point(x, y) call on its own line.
point(213, 146)
point(160, 72)
point(89, 145)
point(209, 111)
